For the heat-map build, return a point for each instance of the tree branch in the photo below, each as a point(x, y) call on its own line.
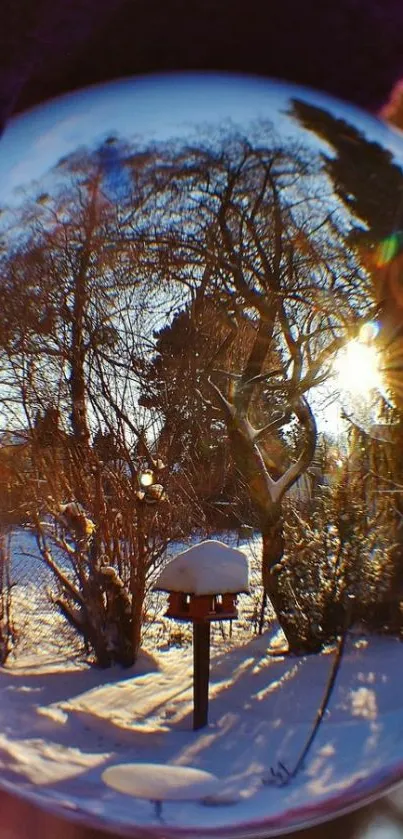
point(227, 407)
point(304, 414)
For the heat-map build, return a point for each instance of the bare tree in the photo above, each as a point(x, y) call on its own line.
point(258, 228)
point(248, 227)
point(86, 304)
point(72, 284)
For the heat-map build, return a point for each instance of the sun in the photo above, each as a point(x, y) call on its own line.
point(358, 367)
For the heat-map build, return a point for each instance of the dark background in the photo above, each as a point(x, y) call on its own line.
point(351, 48)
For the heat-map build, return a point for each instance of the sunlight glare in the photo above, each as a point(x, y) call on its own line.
point(357, 367)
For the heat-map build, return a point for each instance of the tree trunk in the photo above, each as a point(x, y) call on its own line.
point(300, 638)
point(79, 422)
point(78, 390)
point(267, 500)
point(138, 581)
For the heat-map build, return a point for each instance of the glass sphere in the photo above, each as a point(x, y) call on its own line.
point(203, 297)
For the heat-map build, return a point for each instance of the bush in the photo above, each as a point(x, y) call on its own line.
point(339, 566)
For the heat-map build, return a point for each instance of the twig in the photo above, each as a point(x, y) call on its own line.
point(280, 775)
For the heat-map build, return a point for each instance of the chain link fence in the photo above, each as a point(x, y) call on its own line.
point(43, 634)
point(40, 629)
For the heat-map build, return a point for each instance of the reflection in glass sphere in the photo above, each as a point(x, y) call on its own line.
point(201, 456)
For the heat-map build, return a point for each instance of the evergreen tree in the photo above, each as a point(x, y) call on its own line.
point(363, 173)
point(370, 185)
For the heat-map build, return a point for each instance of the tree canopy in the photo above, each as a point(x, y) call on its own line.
point(187, 299)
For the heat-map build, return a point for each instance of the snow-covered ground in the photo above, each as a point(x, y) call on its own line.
point(64, 725)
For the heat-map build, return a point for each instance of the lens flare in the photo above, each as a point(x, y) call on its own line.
point(388, 249)
point(357, 366)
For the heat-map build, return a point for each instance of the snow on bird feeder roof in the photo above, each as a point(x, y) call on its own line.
point(211, 567)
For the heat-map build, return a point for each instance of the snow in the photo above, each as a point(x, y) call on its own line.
point(160, 782)
point(211, 567)
point(64, 726)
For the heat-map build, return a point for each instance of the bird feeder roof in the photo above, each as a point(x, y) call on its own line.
point(210, 567)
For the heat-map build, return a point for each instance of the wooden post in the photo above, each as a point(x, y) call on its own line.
point(201, 673)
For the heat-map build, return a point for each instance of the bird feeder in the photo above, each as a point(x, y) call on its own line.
point(203, 584)
point(202, 607)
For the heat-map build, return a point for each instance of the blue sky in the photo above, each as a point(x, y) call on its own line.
point(157, 108)
point(153, 107)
